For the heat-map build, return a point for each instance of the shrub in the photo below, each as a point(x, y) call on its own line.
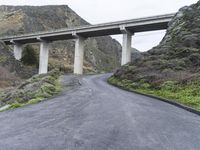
point(29, 56)
point(134, 85)
point(145, 85)
point(168, 85)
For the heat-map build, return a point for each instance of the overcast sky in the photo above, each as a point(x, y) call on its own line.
point(100, 11)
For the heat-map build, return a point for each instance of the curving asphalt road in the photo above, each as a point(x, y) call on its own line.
point(98, 116)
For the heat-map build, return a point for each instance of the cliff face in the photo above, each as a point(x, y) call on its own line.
point(176, 58)
point(101, 53)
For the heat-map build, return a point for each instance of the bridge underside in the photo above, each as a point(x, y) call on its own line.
point(89, 33)
point(79, 34)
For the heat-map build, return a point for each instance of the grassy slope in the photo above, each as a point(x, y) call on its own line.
point(184, 93)
point(33, 90)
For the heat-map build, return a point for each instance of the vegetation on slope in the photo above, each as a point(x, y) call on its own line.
point(186, 93)
point(172, 69)
point(32, 90)
point(29, 56)
point(11, 70)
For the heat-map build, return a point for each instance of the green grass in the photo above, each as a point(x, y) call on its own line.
point(51, 90)
point(15, 105)
point(35, 100)
point(38, 97)
point(187, 94)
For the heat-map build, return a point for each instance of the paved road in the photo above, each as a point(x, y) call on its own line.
point(97, 116)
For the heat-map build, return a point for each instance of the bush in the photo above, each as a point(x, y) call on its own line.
point(169, 85)
point(145, 85)
point(29, 56)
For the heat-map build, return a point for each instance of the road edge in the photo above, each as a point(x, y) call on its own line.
point(197, 112)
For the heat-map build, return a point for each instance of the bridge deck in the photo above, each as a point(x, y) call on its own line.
point(112, 28)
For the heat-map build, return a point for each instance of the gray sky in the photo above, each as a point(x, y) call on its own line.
point(100, 11)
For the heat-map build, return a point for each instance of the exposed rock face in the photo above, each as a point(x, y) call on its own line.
point(177, 57)
point(101, 53)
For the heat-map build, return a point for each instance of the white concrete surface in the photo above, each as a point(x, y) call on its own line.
point(79, 54)
point(17, 51)
point(126, 48)
point(43, 62)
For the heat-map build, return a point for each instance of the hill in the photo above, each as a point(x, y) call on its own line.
point(101, 54)
point(171, 69)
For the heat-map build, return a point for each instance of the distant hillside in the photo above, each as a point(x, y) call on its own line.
point(135, 54)
point(101, 53)
point(173, 66)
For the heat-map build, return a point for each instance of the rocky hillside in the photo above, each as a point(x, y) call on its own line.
point(173, 64)
point(11, 71)
point(101, 54)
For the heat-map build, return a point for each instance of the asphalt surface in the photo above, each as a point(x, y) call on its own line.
point(98, 116)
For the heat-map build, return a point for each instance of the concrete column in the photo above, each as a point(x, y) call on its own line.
point(17, 51)
point(126, 45)
point(126, 48)
point(79, 54)
point(44, 54)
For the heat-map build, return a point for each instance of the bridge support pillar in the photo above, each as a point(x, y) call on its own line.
point(44, 54)
point(17, 51)
point(126, 48)
point(79, 55)
point(126, 45)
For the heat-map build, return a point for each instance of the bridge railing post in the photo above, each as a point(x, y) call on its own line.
point(126, 45)
point(79, 54)
point(44, 55)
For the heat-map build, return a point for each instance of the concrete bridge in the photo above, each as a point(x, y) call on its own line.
point(126, 27)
